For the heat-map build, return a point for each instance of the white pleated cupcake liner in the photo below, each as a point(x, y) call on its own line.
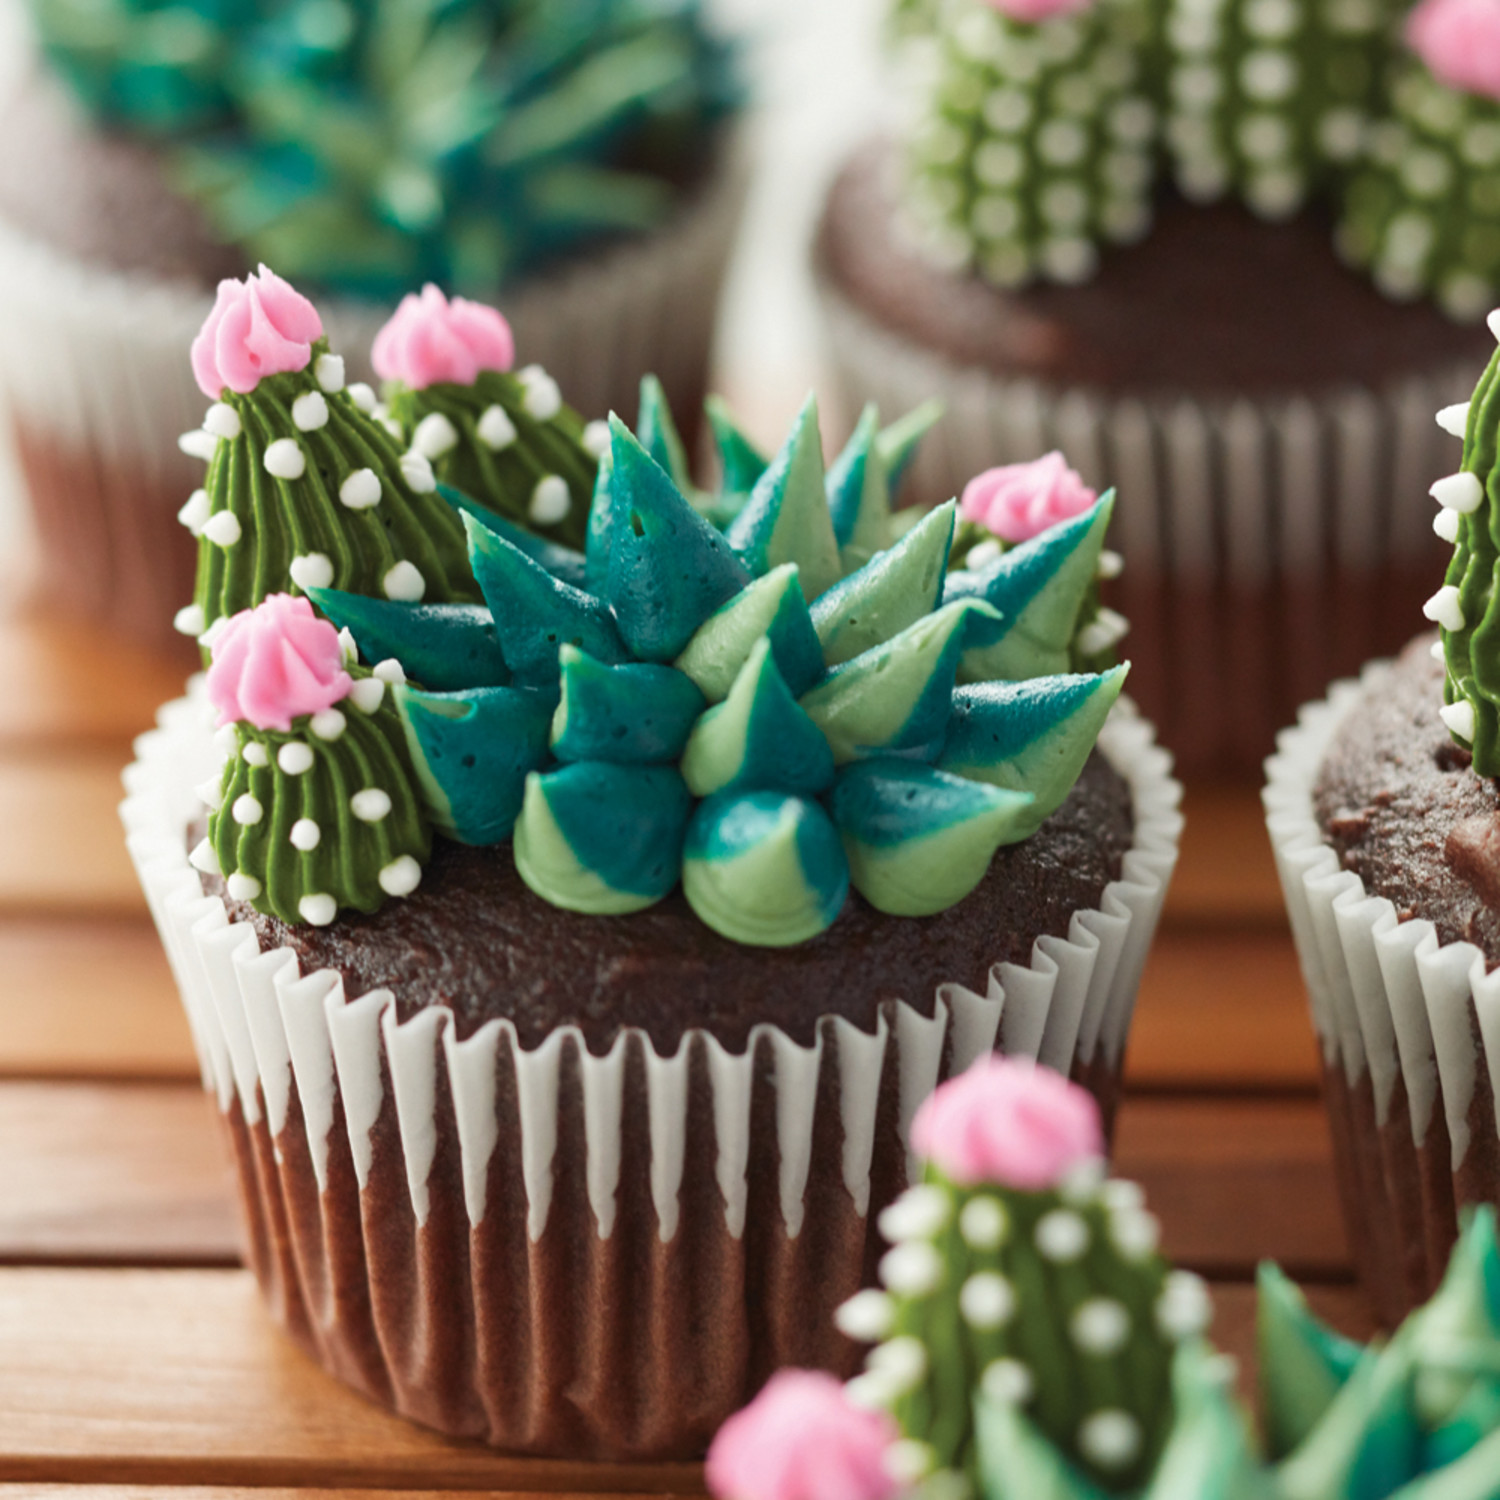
point(96, 386)
point(1246, 522)
point(766, 1166)
point(1409, 1030)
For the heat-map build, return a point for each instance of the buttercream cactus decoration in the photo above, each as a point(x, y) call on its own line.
point(1423, 212)
point(315, 809)
point(766, 714)
point(1270, 99)
point(504, 440)
point(1036, 140)
point(305, 487)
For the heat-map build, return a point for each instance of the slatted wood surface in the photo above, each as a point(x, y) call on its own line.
point(134, 1357)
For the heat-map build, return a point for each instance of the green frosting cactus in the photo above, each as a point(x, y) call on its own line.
point(1037, 137)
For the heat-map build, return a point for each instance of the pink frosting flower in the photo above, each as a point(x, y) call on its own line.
point(276, 662)
point(259, 326)
point(802, 1439)
point(1459, 40)
point(1032, 11)
point(1019, 501)
point(430, 339)
point(1011, 1123)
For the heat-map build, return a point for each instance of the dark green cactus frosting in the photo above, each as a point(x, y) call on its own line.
point(373, 144)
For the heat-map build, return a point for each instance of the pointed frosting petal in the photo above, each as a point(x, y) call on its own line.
point(1208, 1452)
point(757, 738)
point(630, 713)
point(1017, 1461)
point(919, 840)
point(897, 445)
point(772, 606)
point(763, 868)
point(786, 517)
point(560, 561)
point(658, 433)
point(600, 530)
point(859, 499)
point(740, 460)
point(602, 838)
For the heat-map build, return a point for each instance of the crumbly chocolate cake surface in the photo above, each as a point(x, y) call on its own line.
point(1212, 299)
point(1397, 800)
point(474, 938)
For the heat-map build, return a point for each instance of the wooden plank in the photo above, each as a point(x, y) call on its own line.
point(1222, 1009)
point(1227, 873)
point(90, 999)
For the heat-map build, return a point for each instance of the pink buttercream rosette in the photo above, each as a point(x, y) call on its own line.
point(259, 326)
point(1019, 501)
point(1031, 12)
point(1459, 40)
point(431, 340)
point(802, 1439)
point(275, 663)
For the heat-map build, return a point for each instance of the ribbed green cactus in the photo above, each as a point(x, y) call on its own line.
point(1036, 142)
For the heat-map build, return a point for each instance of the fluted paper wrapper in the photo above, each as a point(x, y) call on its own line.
point(96, 388)
point(1271, 543)
point(1409, 1033)
point(567, 1253)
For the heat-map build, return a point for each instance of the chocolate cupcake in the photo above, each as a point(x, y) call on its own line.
point(1117, 229)
point(167, 148)
point(569, 965)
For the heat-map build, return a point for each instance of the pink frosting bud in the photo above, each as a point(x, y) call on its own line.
point(1011, 1123)
point(430, 339)
point(1459, 40)
point(276, 662)
point(1019, 501)
point(1032, 11)
point(802, 1439)
point(259, 326)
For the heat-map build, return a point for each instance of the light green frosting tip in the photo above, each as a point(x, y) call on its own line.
point(859, 494)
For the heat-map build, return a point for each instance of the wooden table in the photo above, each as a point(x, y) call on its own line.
point(134, 1356)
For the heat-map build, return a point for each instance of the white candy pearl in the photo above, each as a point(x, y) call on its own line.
point(367, 693)
point(983, 1222)
point(203, 858)
point(370, 805)
point(348, 647)
point(596, 438)
point(223, 529)
point(1184, 1308)
point(866, 1316)
point(901, 1362)
point(1100, 1326)
point(1110, 1439)
point(1454, 419)
point(404, 583)
point(310, 411)
point(246, 810)
point(295, 758)
point(543, 399)
point(401, 877)
point(1462, 492)
point(1445, 524)
point(435, 436)
point(329, 724)
point(912, 1269)
point(550, 500)
point(1445, 609)
point(981, 555)
point(417, 473)
point(1459, 717)
point(363, 397)
point(305, 835)
point(285, 460)
point(255, 754)
point(194, 515)
point(189, 620)
point(1007, 1382)
point(361, 489)
point(390, 671)
point(199, 444)
point(495, 428)
point(987, 1300)
point(918, 1214)
point(243, 887)
point(329, 372)
point(314, 570)
point(1062, 1236)
point(223, 421)
point(319, 909)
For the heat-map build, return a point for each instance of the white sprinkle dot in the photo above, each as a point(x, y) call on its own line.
point(907, 1460)
point(348, 647)
point(435, 436)
point(285, 460)
point(328, 724)
point(223, 528)
point(495, 428)
point(401, 877)
point(918, 1214)
point(986, 1300)
point(404, 583)
point(1184, 1308)
point(210, 793)
point(210, 637)
point(900, 1362)
point(1007, 1382)
point(1445, 609)
point(363, 397)
point(1462, 492)
point(295, 758)
point(1445, 523)
point(319, 908)
point(370, 805)
point(246, 810)
point(310, 411)
point(199, 444)
point(203, 858)
point(1454, 419)
point(912, 1269)
point(1459, 717)
point(1100, 1326)
point(866, 1316)
point(1080, 1184)
point(329, 372)
point(1120, 1194)
point(366, 694)
point(1111, 564)
point(982, 554)
point(194, 515)
point(226, 740)
point(391, 425)
point(223, 421)
point(361, 489)
point(243, 887)
point(983, 1222)
point(390, 671)
point(305, 835)
point(189, 620)
point(1135, 1233)
point(417, 473)
point(1110, 1439)
point(550, 500)
point(1436, 652)
point(314, 570)
point(255, 754)
point(1062, 1235)
point(596, 438)
point(543, 399)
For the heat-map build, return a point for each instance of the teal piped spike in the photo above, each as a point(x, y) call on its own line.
point(764, 868)
point(471, 752)
point(896, 698)
point(786, 518)
point(1017, 1461)
point(441, 646)
point(1030, 736)
point(859, 498)
point(633, 713)
point(897, 444)
point(602, 838)
point(1461, 1324)
point(535, 613)
point(740, 461)
point(658, 433)
point(772, 606)
point(757, 738)
point(669, 570)
point(1208, 1454)
point(919, 840)
point(600, 530)
point(893, 590)
point(561, 562)
point(1475, 1476)
point(1302, 1362)
point(1038, 587)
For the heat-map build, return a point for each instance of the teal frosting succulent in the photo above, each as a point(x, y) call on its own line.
point(376, 144)
point(766, 707)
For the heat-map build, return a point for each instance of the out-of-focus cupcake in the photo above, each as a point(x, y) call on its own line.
point(1139, 231)
point(570, 934)
point(576, 160)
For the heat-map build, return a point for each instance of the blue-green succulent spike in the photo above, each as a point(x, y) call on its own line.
point(858, 495)
point(658, 433)
point(565, 563)
point(602, 838)
point(535, 613)
point(786, 518)
point(471, 752)
point(890, 592)
point(1038, 587)
point(1031, 736)
point(1017, 1462)
point(772, 607)
point(757, 739)
point(633, 713)
point(741, 463)
point(601, 529)
point(669, 570)
point(896, 699)
point(764, 868)
point(442, 646)
point(919, 840)
point(897, 444)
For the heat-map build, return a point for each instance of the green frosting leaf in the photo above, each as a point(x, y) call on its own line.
point(659, 436)
point(629, 713)
point(858, 496)
point(740, 461)
point(444, 646)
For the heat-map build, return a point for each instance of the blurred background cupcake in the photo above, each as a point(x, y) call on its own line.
point(575, 160)
point(1227, 252)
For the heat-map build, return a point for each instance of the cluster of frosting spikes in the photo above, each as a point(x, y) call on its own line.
point(1031, 1342)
